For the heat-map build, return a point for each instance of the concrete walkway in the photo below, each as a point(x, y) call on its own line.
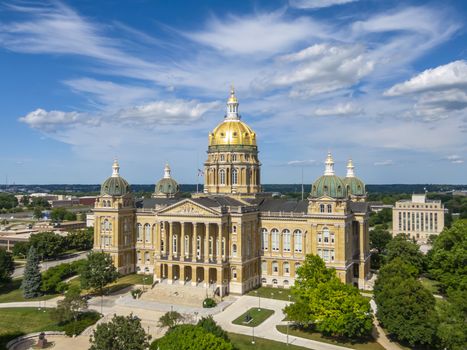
point(378, 332)
point(267, 329)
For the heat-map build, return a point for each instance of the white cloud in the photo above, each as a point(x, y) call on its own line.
point(315, 4)
point(387, 162)
point(267, 33)
point(339, 110)
point(318, 69)
point(455, 159)
point(48, 121)
point(449, 76)
point(167, 112)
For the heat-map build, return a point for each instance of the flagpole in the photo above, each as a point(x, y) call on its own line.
point(303, 190)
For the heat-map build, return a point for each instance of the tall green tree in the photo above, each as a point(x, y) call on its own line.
point(405, 308)
point(190, 337)
point(448, 257)
point(170, 319)
point(31, 284)
point(209, 325)
point(48, 244)
point(69, 308)
point(37, 213)
point(21, 249)
point(121, 333)
point(80, 239)
point(330, 306)
point(98, 271)
point(7, 266)
point(407, 250)
point(379, 239)
point(452, 330)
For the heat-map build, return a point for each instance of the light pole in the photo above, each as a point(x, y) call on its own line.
point(253, 340)
point(288, 325)
point(259, 300)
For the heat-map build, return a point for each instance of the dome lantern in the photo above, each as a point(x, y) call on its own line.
point(115, 185)
point(232, 106)
point(355, 186)
point(350, 168)
point(329, 184)
point(166, 187)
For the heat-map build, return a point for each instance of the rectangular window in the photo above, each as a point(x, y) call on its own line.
point(326, 255)
point(332, 237)
point(320, 238)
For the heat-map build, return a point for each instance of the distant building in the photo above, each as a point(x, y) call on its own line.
point(376, 207)
point(418, 218)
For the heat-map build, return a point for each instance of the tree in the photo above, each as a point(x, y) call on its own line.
point(39, 202)
point(447, 259)
point(379, 239)
point(48, 244)
point(7, 266)
point(209, 325)
point(327, 304)
point(21, 249)
point(170, 319)
point(37, 213)
point(61, 214)
point(452, 332)
point(8, 201)
point(25, 200)
point(98, 271)
point(31, 284)
point(405, 308)
point(69, 308)
point(121, 333)
point(190, 337)
point(80, 239)
point(407, 250)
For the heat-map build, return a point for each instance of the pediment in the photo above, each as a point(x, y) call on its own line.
point(189, 208)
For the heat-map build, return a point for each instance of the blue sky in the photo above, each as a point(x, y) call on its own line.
point(383, 82)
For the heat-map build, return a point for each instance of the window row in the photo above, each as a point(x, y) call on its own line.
point(323, 208)
point(325, 236)
point(275, 267)
point(326, 254)
point(286, 240)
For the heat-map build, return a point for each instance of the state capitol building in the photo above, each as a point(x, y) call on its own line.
point(233, 237)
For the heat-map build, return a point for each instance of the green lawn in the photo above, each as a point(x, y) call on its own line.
point(243, 342)
point(271, 293)
point(120, 283)
point(18, 321)
point(431, 285)
point(258, 317)
point(11, 292)
point(362, 345)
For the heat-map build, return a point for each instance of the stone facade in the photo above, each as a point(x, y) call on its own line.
point(233, 238)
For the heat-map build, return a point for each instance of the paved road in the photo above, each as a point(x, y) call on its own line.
point(48, 264)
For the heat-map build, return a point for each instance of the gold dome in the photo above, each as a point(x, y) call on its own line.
point(232, 132)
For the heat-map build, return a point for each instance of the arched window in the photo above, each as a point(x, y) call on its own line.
point(321, 208)
point(329, 208)
point(286, 283)
point(147, 232)
point(234, 273)
point(234, 249)
point(187, 244)
point(286, 240)
point(298, 240)
point(326, 235)
point(274, 282)
point(222, 177)
point(139, 232)
point(264, 239)
point(275, 267)
point(234, 157)
point(162, 245)
point(275, 240)
point(234, 177)
point(263, 280)
point(286, 267)
point(264, 267)
point(211, 246)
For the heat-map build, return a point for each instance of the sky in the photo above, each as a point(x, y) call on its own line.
point(145, 81)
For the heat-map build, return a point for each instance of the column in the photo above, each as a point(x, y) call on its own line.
point(361, 267)
point(206, 276)
point(182, 274)
point(292, 243)
point(195, 233)
point(170, 241)
point(220, 283)
point(206, 242)
point(182, 241)
point(219, 246)
point(169, 274)
point(157, 240)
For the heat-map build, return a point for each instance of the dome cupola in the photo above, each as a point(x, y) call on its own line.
point(166, 187)
point(354, 186)
point(329, 184)
point(115, 185)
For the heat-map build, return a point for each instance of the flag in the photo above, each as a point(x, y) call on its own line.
point(200, 173)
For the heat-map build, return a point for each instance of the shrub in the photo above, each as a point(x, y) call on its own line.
point(85, 320)
point(209, 302)
point(136, 293)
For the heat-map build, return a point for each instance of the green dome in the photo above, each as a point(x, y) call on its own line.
point(115, 186)
point(354, 186)
point(329, 185)
point(167, 186)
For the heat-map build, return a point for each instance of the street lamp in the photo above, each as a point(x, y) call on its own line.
point(253, 340)
point(288, 325)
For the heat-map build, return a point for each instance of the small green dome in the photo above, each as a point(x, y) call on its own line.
point(354, 186)
point(115, 185)
point(329, 185)
point(167, 186)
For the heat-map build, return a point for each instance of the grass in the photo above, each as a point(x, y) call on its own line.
point(271, 293)
point(258, 317)
point(12, 292)
point(19, 321)
point(121, 283)
point(243, 342)
point(431, 285)
point(369, 344)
